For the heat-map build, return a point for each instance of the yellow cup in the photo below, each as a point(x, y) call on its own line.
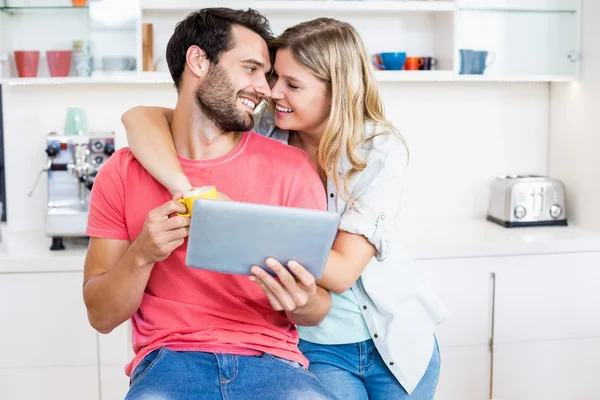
point(205, 192)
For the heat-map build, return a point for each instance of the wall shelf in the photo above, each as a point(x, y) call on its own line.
point(382, 76)
point(518, 9)
point(150, 78)
point(451, 76)
point(527, 42)
point(514, 78)
point(13, 10)
point(311, 5)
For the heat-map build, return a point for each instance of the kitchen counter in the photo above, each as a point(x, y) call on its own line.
point(427, 239)
point(423, 239)
point(30, 252)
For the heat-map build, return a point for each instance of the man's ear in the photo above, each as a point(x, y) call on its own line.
point(197, 61)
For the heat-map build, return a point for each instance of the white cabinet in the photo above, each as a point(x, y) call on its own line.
point(520, 37)
point(114, 384)
point(49, 383)
point(548, 370)
point(464, 373)
point(110, 31)
point(114, 350)
point(465, 287)
point(546, 332)
point(547, 297)
point(539, 313)
point(48, 348)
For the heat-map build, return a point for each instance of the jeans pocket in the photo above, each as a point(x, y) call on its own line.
point(289, 364)
point(146, 365)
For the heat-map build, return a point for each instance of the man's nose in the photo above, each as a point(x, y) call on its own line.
point(262, 87)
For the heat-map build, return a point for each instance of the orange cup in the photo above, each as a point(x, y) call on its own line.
point(413, 63)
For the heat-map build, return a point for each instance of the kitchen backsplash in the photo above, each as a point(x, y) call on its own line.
point(460, 136)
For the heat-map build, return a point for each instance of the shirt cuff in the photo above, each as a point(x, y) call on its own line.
point(106, 234)
point(356, 223)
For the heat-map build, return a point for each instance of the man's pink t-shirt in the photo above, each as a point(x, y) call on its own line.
point(187, 309)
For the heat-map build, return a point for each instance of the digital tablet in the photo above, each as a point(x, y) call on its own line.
point(230, 236)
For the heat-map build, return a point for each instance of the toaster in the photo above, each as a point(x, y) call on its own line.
point(527, 200)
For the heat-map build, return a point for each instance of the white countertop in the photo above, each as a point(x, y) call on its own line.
point(424, 239)
point(29, 251)
point(455, 238)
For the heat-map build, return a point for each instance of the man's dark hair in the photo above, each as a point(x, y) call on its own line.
point(211, 30)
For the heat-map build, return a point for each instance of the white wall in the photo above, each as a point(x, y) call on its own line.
point(419, 35)
point(575, 136)
point(460, 135)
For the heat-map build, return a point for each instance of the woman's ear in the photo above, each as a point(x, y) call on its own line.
point(197, 61)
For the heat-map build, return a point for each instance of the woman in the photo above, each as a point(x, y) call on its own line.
point(377, 342)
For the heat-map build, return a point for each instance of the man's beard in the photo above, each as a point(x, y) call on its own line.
point(218, 101)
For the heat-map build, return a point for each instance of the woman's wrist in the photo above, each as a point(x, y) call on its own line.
point(181, 185)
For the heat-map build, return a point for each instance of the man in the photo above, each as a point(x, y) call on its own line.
point(199, 334)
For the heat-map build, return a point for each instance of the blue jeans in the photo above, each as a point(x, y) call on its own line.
point(356, 371)
point(172, 375)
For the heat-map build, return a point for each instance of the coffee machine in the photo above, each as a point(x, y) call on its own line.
point(73, 162)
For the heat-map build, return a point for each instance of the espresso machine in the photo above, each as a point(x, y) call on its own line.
point(73, 162)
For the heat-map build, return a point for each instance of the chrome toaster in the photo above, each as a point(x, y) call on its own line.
point(527, 200)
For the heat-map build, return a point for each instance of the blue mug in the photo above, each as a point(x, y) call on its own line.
point(474, 62)
point(389, 61)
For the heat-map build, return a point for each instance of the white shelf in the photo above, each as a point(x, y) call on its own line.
point(308, 6)
point(514, 78)
point(105, 79)
point(382, 76)
point(414, 76)
point(565, 9)
point(450, 76)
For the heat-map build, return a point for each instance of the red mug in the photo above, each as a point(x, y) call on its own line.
point(413, 63)
point(27, 63)
point(59, 62)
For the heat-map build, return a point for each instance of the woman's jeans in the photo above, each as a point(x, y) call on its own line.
point(356, 371)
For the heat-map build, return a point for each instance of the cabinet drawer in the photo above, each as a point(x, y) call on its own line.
point(67, 383)
point(464, 373)
point(44, 321)
point(547, 297)
point(116, 347)
point(114, 384)
point(465, 287)
point(550, 370)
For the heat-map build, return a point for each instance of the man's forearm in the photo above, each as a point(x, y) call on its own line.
point(314, 312)
point(113, 297)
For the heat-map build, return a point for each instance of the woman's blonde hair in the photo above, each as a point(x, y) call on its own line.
point(334, 52)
